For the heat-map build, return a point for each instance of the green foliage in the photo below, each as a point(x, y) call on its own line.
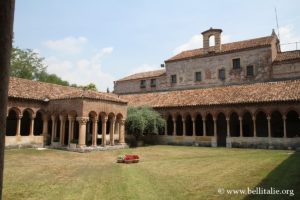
point(143, 121)
point(90, 86)
point(52, 78)
point(26, 64)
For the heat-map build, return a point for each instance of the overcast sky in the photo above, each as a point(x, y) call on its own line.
point(101, 41)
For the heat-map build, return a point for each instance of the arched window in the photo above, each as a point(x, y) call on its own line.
point(189, 125)
point(212, 41)
point(38, 124)
point(248, 125)
point(292, 124)
point(11, 123)
point(199, 125)
point(261, 124)
point(234, 125)
point(209, 125)
point(179, 125)
point(25, 123)
point(276, 124)
point(170, 126)
point(221, 129)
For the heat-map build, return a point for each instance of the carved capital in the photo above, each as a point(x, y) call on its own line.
point(104, 119)
point(82, 120)
point(122, 122)
point(62, 118)
point(71, 118)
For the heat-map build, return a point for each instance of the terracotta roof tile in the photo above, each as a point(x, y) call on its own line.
point(237, 94)
point(142, 75)
point(34, 90)
point(287, 56)
point(225, 48)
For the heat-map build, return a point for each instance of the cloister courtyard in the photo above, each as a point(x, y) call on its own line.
point(164, 172)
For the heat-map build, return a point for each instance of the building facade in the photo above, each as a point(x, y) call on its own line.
point(240, 94)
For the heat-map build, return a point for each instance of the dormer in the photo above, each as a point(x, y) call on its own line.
point(212, 35)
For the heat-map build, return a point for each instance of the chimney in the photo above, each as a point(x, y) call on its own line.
point(212, 32)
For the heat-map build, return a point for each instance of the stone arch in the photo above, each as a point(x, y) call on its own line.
point(211, 40)
point(170, 125)
point(26, 121)
point(276, 124)
point(234, 124)
point(11, 122)
point(209, 123)
point(199, 124)
point(261, 124)
point(189, 125)
point(221, 129)
point(292, 124)
point(38, 122)
point(179, 125)
point(247, 124)
point(17, 110)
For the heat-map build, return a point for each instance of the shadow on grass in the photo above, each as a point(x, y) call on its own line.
point(285, 176)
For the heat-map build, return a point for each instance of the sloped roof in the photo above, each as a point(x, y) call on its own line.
point(142, 75)
point(287, 56)
point(34, 90)
point(237, 94)
point(225, 48)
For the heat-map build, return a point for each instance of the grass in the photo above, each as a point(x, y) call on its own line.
point(164, 172)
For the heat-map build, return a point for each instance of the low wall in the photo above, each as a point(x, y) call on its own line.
point(24, 141)
point(264, 142)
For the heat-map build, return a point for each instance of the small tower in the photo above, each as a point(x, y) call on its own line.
point(212, 32)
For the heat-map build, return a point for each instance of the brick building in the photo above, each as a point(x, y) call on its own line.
point(42, 113)
point(244, 93)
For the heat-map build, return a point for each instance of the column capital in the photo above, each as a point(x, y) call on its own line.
point(268, 117)
point(122, 121)
point(104, 119)
point(53, 117)
point(45, 117)
point(95, 120)
point(62, 118)
point(240, 118)
point(253, 118)
point(284, 117)
point(227, 118)
point(71, 118)
point(19, 116)
point(82, 120)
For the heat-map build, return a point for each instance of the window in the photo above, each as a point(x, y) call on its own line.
point(222, 74)
point(198, 76)
point(173, 79)
point(143, 84)
point(153, 82)
point(250, 71)
point(236, 63)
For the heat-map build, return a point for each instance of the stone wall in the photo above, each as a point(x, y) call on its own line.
point(286, 70)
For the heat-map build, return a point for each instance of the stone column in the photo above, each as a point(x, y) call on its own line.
point(31, 126)
point(62, 129)
point(112, 131)
point(254, 126)
point(117, 128)
point(53, 134)
point(82, 130)
point(215, 127)
point(204, 127)
point(166, 127)
point(122, 132)
point(284, 126)
point(269, 126)
point(183, 127)
point(104, 121)
point(194, 127)
point(71, 129)
point(228, 126)
point(95, 133)
point(174, 126)
point(241, 126)
point(45, 127)
point(18, 129)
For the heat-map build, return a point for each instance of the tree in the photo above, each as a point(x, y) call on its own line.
point(90, 86)
point(7, 8)
point(26, 64)
point(51, 78)
point(143, 121)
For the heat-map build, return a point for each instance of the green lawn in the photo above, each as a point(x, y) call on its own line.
point(164, 172)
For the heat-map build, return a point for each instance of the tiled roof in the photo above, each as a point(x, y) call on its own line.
point(225, 48)
point(142, 75)
point(287, 56)
point(34, 90)
point(237, 94)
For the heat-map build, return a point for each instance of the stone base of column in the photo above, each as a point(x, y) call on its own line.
point(228, 142)
point(214, 142)
point(81, 146)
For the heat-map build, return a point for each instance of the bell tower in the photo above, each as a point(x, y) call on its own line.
point(212, 32)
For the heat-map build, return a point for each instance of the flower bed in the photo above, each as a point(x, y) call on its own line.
point(128, 159)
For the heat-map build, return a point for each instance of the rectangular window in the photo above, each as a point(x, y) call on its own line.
point(143, 84)
point(198, 76)
point(222, 74)
point(236, 63)
point(173, 78)
point(153, 82)
point(250, 71)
